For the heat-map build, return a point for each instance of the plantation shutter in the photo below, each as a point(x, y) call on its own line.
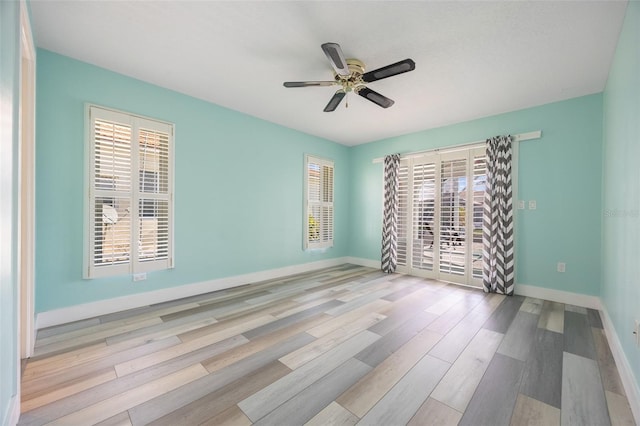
point(319, 200)
point(130, 194)
point(479, 185)
point(403, 209)
point(453, 174)
point(154, 194)
point(423, 213)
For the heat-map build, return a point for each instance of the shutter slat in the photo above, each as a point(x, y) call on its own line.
point(403, 209)
point(153, 161)
point(320, 214)
point(154, 232)
point(453, 181)
point(112, 231)
point(479, 186)
point(112, 153)
point(423, 191)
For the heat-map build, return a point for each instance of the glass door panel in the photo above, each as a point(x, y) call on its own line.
point(453, 245)
point(479, 186)
point(403, 215)
point(423, 214)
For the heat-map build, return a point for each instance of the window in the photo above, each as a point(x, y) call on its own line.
point(129, 220)
point(318, 218)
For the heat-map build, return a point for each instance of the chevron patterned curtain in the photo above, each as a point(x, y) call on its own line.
point(390, 215)
point(497, 227)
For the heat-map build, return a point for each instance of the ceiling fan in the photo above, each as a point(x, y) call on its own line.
point(349, 73)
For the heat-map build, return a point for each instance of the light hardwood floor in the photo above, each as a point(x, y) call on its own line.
point(340, 346)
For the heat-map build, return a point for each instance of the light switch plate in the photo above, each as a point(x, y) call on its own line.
point(521, 205)
point(532, 204)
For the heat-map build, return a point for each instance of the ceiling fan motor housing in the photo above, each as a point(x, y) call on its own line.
point(353, 81)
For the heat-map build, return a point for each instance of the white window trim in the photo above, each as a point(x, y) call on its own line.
point(134, 266)
point(312, 245)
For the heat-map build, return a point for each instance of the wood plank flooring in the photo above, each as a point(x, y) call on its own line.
point(339, 346)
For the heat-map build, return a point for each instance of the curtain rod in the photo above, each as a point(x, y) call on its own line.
point(519, 137)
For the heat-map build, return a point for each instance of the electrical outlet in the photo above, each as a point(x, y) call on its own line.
point(561, 266)
point(636, 332)
point(521, 205)
point(140, 277)
point(532, 204)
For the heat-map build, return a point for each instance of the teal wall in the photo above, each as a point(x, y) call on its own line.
point(561, 171)
point(621, 182)
point(238, 185)
point(9, 99)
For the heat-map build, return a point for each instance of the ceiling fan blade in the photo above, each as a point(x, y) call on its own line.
point(308, 83)
point(336, 57)
point(335, 101)
point(389, 71)
point(375, 97)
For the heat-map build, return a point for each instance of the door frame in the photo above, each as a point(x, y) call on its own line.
point(26, 184)
point(468, 153)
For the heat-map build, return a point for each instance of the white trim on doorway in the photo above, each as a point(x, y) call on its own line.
point(13, 412)
point(26, 184)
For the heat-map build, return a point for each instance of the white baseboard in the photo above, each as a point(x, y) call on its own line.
point(108, 306)
point(626, 373)
point(363, 262)
point(559, 296)
point(13, 411)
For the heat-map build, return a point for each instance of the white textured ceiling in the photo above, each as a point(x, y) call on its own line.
point(473, 59)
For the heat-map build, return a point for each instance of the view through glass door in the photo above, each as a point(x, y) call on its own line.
point(440, 216)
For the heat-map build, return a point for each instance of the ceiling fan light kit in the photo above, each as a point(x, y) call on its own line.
point(351, 75)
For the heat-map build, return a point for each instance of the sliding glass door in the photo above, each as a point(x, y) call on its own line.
point(452, 265)
point(440, 216)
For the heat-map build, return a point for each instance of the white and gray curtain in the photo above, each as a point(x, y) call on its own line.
point(497, 228)
point(390, 214)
